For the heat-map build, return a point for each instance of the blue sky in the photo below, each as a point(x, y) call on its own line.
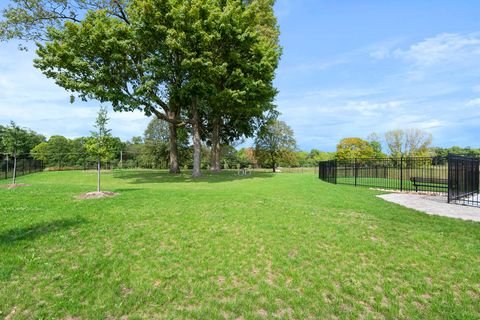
point(349, 68)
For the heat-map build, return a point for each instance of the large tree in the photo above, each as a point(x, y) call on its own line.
point(243, 90)
point(164, 57)
point(410, 142)
point(352, 148)
point(275, 140)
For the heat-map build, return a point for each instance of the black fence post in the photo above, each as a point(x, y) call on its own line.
point(336, 170)
point(401, 173)
point(355, 171)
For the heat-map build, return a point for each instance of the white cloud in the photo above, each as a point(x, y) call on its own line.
point(473, 102)
point(441, 49)
point(381, 53)
point(315, 65)
point(33, 101)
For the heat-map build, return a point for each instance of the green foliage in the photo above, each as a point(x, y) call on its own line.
point(351, 148)
point(30, 19)
point(160, 57)
point(155, 152)
point(409, 143)
point(62, 152)
point(443, 152)
point(275, 142)
point(16, 140)
point(101, 143)
point(245, 157)
point(375, 142)
point(247, 49)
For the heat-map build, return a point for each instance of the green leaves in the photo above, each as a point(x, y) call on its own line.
point(275, 140)
point(101, 143)
point(158, 56)
point(17, 140)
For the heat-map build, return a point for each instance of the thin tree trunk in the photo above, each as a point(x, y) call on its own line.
point(273, 165)
point(98, 175)
point(197, 146)
point(6, 173)
point(14, 168)
point(173, 146)
point(215, 159)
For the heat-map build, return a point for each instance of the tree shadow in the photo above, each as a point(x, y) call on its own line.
point(32, 232)
point(163, 176)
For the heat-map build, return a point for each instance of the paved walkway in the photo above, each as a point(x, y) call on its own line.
point(434, 205)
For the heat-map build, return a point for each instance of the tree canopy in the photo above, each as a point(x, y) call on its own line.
point(207, 65)
point(410, 142)
point(275, 140)
point(352, 148)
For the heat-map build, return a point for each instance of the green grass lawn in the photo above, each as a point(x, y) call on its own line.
point(263, 246)
point(392, 184)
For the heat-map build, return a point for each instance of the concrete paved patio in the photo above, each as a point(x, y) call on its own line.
point(434, 205)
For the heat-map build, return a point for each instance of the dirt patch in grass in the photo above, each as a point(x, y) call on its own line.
point(96, 195)
point(262, 313)
point(11, 314)
point(14, 186)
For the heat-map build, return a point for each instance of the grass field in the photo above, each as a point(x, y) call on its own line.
point(263, 246)
point(392, 184)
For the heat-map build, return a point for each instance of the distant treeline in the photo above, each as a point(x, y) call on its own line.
point(148, 151)
point(151, 150)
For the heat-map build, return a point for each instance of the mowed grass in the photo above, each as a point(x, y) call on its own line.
point(226, 247)
point(393, 184)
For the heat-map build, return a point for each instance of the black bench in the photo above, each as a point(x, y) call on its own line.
point(429, 182)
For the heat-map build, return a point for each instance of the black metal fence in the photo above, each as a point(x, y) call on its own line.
point(327, 171)
point(25, 165)
point(404, 174)
point(456, 176)
point(463, 180)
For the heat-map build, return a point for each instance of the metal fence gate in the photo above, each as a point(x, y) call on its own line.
point(463, 180)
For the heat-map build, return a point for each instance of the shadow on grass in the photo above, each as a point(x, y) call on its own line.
point(40, 229)
point(163, 176)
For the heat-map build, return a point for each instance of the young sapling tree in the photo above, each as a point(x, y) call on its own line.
point(14, 140)
point(100, 143)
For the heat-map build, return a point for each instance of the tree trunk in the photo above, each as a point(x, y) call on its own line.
point(197, 146)
point(273, 164)
point(215, 154)
point(14, 168)
point(98, 175)
point(173, 146)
